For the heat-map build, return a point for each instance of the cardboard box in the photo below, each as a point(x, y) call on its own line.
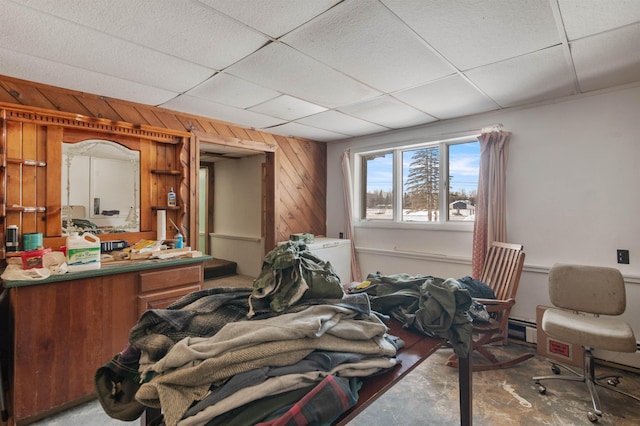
point(554, 349)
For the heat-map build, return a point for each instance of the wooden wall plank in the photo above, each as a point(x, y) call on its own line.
point(26, 94)
point(99, 108)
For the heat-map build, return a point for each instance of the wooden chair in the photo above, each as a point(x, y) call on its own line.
point(501, 271)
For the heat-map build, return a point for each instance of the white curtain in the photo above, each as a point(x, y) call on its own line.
point(491, 209)
point(347, 185)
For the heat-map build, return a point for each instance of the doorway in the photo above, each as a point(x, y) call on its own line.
point(235, 189)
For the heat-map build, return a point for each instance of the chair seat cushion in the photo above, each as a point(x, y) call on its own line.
point(601, 332)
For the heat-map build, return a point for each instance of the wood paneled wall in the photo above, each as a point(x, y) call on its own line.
point(301, 165)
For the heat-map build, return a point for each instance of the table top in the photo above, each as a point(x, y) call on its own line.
point(417, 348)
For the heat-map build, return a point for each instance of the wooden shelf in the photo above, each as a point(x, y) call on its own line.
point(26, 162)
point(166, 172)
point(165, 207)
point(26, 209)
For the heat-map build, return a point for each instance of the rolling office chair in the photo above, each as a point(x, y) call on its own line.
point(580, 294)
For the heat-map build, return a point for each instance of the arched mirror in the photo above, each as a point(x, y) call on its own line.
point(100, 187)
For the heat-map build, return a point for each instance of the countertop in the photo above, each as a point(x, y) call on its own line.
point(110, 269)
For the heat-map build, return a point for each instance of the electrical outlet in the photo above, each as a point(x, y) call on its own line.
point(623, 256)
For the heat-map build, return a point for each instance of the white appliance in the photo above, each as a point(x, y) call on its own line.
point(337, 252)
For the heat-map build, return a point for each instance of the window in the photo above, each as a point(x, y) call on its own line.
point(428, 183)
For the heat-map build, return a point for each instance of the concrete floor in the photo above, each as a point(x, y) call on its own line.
point(429, 396)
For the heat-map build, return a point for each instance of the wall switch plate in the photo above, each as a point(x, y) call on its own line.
point(623, 256)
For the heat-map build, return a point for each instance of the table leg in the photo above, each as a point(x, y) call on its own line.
point(466, 392)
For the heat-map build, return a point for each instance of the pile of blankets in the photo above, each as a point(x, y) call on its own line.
point(234, 356)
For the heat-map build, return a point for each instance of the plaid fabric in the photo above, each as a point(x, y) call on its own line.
point(322, 405)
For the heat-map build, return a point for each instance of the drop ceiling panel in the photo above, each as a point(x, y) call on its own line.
point(287, 108)
point(275, 17)
point(300, 130)
point(342, 67)
point(609, 59)
point(389, 112)
point(534, 77)
point(586, 17)
point(339, 122)
point(222, 112)
point(173, 22)
point(226, 89)
point(364, 40)
point(470, 34)
point(82, 47)
point(286, 70)
point(31, 68)
point(447, 98)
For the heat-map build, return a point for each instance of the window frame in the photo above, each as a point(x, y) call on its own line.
point(397, 149)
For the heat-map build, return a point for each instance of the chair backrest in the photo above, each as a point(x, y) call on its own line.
point(502, 269)
point(593, 289)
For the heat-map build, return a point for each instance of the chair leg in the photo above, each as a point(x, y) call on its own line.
point(588, 378)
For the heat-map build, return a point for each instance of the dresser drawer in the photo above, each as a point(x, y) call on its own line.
point(168, 278)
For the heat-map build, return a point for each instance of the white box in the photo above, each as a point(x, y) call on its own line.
point(337, 252)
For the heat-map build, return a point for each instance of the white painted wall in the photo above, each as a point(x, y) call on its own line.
point(237, 213)
point(572, 188)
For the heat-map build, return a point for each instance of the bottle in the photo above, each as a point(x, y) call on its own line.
point(179, 240)
point(83, 252)
point(171, 198)
point(12, 238)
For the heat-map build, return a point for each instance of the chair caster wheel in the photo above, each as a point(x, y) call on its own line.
point(541, 389)
point(593, 418)
point(613, 382)
point(555, 369)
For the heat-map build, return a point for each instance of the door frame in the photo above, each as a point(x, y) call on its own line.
point(269, 212)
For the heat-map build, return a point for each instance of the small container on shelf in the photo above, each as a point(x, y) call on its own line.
point(12, 238)
point(171, 198)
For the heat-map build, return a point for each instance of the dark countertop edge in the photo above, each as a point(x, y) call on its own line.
point(106, 269)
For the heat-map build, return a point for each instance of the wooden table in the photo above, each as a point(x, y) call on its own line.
point(417, 348)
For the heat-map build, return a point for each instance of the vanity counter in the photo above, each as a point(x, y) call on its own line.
point(110, 268)
point(58, 331)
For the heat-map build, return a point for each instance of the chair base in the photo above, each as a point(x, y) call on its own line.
point(589, 378)
point(493, 362)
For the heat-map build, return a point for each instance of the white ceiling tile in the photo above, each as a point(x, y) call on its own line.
point(534, 77)
point(339, 122)
point(586, 17)
point(31, 68)
point(274, 17)
point(389, 112)
point(197, 106)
point(300, 130)
point(447, 98)
point(378, 64)
point(287, 108)
point(184, 29)
point(226, 89)
point(286, 70)
point(81, 47)
point(364, 40)
point(608, 59)
point(470, 34)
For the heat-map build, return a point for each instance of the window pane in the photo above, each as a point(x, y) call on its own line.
point(464, 163)
point(378, 175)
point(420, 184)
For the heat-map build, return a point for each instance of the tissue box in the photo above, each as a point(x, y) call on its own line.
point(33, 258)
